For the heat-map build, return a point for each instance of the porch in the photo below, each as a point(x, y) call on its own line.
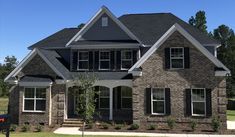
point(114, 101)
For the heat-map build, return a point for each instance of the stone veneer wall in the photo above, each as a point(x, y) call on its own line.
point(14, 104)
point(58, 99)
point(200, 74)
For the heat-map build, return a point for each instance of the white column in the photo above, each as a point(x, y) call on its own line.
point(110, 103)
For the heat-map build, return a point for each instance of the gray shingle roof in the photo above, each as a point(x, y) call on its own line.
point(150, 27)
point(56, 40)
point(35, 78)
point(100, 42)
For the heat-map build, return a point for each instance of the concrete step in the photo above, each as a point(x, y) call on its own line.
point(73, 122)
point(71, 125)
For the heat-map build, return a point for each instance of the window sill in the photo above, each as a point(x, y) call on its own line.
point(197, 115)
point(27, 111)
point(158, 114)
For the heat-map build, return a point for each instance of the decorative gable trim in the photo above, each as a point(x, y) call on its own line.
point(26, 60)
point(177, 27)
point(95, 18)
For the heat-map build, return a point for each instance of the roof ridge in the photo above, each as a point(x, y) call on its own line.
point(153, 13)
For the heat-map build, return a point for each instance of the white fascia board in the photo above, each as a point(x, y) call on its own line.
point(113, 46)
point(103, 10)
point(222, 73)
point(38, 84)
point(194, 42)
point(50, 64)
point(21, 65)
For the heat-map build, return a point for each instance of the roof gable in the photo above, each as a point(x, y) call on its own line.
point(95, 20)
point(177, 27)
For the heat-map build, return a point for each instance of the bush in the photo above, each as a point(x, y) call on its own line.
point(89, 126)
point(170, 123)
point(13, 127)
point(151, 127)
point(117, 127)
point(193, 125)
point(25, 128)
point(215, 124)
point(105, 126)
point(134, 127)
point(38, 128)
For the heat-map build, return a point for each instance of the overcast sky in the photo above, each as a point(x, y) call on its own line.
point(25, 22)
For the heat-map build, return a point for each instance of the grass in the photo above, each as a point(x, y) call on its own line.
point(231, 115)
point(3, 104)
point(46, 134)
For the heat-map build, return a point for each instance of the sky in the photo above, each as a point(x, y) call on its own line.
point(25, 22)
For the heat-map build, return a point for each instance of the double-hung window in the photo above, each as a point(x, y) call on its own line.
point(104, 60)
point(126, 97)
point(158, 101)
point(126, 59)
point(103, 98)
point(177, 57)
point(104, 21)
point(198, 97)
point(83, 60)
point(34, 100)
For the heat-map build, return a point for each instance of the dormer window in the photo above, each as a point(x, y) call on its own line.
point(104, 21)
point(177, 58)
point(83, 60)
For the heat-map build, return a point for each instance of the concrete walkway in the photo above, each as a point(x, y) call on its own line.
point(75, 131)
point(230, 124)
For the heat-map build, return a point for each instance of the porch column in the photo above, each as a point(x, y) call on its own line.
point(110, 103)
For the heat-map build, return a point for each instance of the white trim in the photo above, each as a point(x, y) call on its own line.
point(199, 102)
point(34, 99)
point(126, 59)
point(50, 106)
point(177, 57)
point(83, 60)
point(102, 10)
point(177, 27)
point(222, 73)
point(109, 60)
point(158, 100)
point(110, 103)
point(26, 60)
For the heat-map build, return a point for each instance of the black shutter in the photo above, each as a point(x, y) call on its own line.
point(74, 60)
point(112, 60)
point(186, 58)
point(168, 101)
point(188, 102)
point(148, 100)
point(167, 58)
point(96, 60)
point(119, 97)
point(97, 97)
point(91, 60)
point(118, 61)
point(134, 56)
point(208, 103)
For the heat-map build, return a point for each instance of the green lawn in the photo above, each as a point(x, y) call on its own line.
point(231, 115)
point(3, 104)
point(45, 134)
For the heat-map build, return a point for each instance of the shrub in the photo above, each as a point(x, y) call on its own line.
point(38, 128)
point(25, 128)
point(105, 126)
point(118, 126)
point(89, 126)
point(193, 125)
point(151, 127)
point(134, 127)
point(170, 123)
point(215, 124)
point(13, 127)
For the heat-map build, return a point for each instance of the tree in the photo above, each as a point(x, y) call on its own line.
point(226, 53)
point(199, 21)
point(10, 62)
point(85, 91)
point(80, 26)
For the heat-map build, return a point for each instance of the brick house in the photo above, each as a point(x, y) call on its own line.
point(149, 67)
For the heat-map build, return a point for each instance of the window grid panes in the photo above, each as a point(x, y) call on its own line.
point(104, 98)
point(104, 21)
point(83, 60)
point(126, 97)
point(177, 57)
point(126, 59)
point(104, 60)
point(198, 101)
point(35, 99)
point(158, 101)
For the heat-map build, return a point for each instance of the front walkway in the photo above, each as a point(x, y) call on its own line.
point(75, 131)
point(231, 124)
